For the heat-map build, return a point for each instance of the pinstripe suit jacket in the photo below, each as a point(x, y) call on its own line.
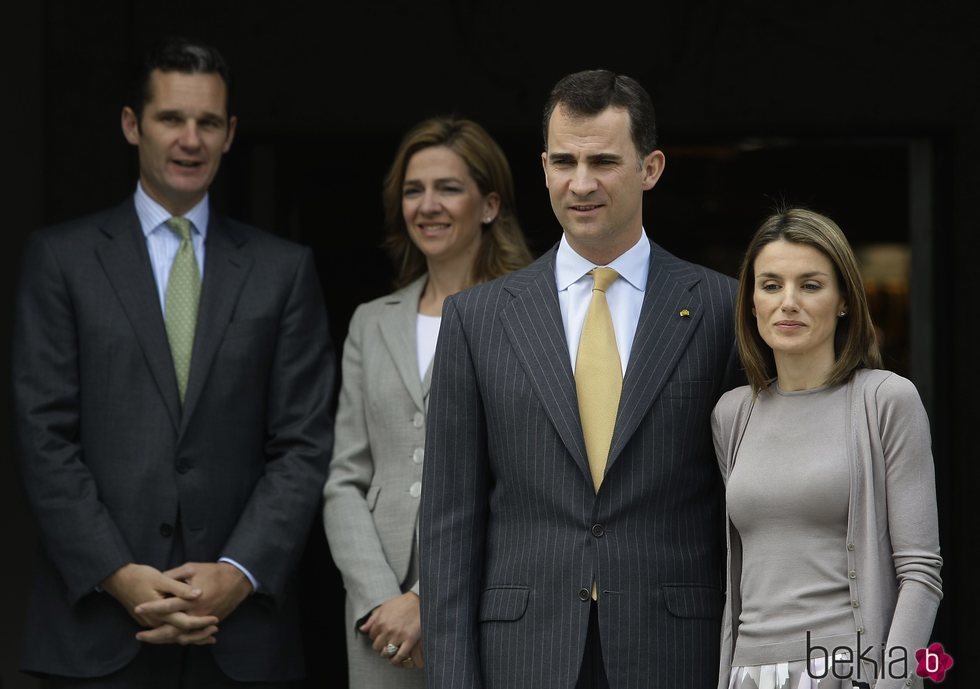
point(512, 530)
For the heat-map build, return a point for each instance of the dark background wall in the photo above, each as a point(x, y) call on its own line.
point(867, 111)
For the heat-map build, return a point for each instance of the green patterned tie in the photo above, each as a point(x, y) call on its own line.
point(183, 294)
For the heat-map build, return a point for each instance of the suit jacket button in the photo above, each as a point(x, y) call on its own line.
point(183, 466)
point(166, 530)
point(584, 595)
point(415, 490)
point(418, 455)
point(418, 420)
point(598, 530)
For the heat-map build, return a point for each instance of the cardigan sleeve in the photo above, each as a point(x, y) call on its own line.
point(727, 420)
point(910, 488)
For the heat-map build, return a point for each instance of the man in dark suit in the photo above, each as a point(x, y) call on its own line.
point(565, 543)
point(172, 375)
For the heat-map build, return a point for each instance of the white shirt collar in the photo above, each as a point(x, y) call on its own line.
point(633, 265)
point(152, 215)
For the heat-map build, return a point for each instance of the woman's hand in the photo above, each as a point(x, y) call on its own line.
point(397, 621)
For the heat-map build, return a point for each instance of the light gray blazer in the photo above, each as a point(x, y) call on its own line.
point(892, 526)
point(371, 497)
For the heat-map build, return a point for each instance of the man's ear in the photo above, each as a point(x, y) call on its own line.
point(653, 167)
point(130, 126)
point(232, 125)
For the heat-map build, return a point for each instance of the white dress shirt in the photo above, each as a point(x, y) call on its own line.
point(625, 295)
point(162, 243)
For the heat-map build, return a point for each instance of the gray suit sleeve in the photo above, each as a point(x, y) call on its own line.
point(271, 532)
point(79, 534)
point(453, 513)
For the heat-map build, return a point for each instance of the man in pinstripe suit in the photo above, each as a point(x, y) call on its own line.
point(532, 573)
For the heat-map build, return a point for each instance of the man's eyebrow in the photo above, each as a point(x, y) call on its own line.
point(592, 158)
point(177, 112)
point(209, 115)
point(604, 156)
point(560, 156)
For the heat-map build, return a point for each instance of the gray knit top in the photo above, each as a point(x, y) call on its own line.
point(787, 500)
point(892, 539)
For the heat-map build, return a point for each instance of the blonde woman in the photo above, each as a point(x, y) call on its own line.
point(451, 223)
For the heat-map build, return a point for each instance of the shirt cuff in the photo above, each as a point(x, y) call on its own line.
point(241, 568)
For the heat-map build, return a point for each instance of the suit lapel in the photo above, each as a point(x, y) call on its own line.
point(533, 324)
point(225, 269)
point(662, 334)
point(398, 332)
point(127, 266)
point(427, 384)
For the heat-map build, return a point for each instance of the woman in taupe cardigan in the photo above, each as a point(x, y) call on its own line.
point(451, 223)
point(830, 487)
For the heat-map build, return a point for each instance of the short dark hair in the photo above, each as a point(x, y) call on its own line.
point(177, 54)
point(589, 92)
point(855, 340)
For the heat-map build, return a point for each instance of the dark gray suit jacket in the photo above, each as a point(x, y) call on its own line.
point(117, 472)
point(512, 530)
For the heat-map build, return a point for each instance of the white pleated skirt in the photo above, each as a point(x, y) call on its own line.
point(790, 675)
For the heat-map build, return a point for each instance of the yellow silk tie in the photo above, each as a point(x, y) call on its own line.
point(598, 375)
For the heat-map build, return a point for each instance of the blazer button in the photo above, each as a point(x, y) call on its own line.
point(418, 455)
point(855, 604)
point(584, 595)
point(852, 574)
point(415, 489)
point(418, 420)
point(166, 530)
point(598, 530)
point(850, 546)
point(183, 466)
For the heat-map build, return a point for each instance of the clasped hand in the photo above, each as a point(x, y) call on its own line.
point(397, 621)
point(182, 605)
